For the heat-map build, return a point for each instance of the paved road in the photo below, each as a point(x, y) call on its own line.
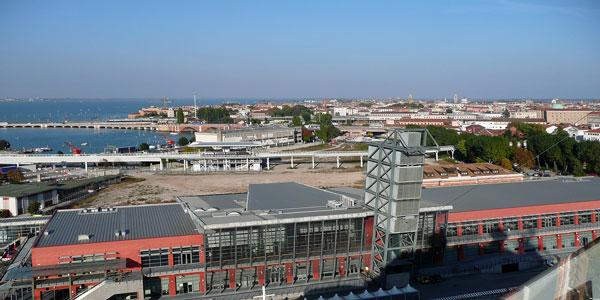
point(460, 285)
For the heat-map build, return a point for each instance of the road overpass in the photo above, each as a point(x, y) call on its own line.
point(17, 159)
point(148, 126)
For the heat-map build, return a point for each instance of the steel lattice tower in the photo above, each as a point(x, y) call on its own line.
point(393, 191)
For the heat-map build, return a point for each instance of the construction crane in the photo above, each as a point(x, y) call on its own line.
point(165, 101)
point(74, 149)
point(170, 142)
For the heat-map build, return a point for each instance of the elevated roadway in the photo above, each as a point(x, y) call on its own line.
point(16, 159)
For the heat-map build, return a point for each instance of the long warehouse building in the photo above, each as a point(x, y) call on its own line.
point(295, 239)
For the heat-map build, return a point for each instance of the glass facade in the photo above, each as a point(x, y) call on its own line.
point(235, 247)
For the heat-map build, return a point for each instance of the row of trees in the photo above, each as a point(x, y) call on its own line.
point(215, 115)
point(558, 151)
point(296, 111)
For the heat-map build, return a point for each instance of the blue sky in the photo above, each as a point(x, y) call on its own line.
point(289, 49)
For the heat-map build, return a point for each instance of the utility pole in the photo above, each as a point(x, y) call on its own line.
point(195, 108)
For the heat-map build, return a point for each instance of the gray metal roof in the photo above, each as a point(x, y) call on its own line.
point(286, 195)
point(23, 220)
point(258, 218)
point(219, 201)
point(141, 222)
point(501, 195)
point(515, 194)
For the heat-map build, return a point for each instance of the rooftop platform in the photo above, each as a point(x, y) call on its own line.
point(271, 203)
point(286, 195)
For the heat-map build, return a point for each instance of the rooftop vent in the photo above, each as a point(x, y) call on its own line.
point(48, 232)
point(98, 210)
point(234, 213)
point(83, 238)
point(219, 214)
point(335, 204)
point(121, 232)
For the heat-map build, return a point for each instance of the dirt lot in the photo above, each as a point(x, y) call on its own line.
point(146, 188)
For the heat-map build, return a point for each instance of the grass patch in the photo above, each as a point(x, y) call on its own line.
point(313, 148)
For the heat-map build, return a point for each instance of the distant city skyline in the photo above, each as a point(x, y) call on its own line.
point(311, 49)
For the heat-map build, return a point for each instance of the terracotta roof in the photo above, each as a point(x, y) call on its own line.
point(453, 170)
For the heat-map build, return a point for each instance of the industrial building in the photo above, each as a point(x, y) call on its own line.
point(16, 198)
point(268, 136)
point(300, 241)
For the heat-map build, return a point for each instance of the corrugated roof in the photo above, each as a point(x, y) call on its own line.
point(284, 195)
point(25, 189)
point(515, 194)
point(219, 201)
point(141, 222)
point(502, 195)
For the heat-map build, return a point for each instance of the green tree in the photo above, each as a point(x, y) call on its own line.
point(4, 145)
point(214, 115)
point(505, 163)
point(448, 110)
point(306, 115)
point(59, 152)
point(462, 148)
point(443, 136)
point(34, 207)
point(5, 213)
point(524, 158)
point(183, 141)
point(15, 176)
point(180, 118)
point(296, 121)
point(505, 113)
point(144, 147)
point(327, 132)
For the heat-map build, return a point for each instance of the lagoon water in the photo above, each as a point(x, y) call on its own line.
point(74, 110)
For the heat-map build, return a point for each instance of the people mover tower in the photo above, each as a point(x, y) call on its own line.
point(393, 191)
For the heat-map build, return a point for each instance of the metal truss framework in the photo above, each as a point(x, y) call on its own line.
point(384, 184)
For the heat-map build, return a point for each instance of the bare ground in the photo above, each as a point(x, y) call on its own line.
point(146, 188)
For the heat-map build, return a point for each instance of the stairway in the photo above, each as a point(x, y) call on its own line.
point(133, 283)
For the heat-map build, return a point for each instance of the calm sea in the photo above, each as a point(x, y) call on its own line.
point(73, 110)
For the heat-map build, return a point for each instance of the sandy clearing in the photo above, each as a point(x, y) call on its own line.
point(162, 188)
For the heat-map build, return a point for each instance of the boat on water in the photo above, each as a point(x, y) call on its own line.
point(84, 144)
point(42, 149)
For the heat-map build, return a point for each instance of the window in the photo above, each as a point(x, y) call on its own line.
point(585, 217)
point(491, 226)
point(530, 222)
point(567, 220)
point(548, 221)
point(154, 257)
point(451, 230)
point(186, 255)
point(510, 224)
point(469, 228)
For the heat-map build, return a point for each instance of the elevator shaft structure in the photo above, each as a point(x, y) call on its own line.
point(393, 191)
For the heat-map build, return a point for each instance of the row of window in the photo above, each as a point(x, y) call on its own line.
point(160, 257)
point(529, 222)
point(286, 241)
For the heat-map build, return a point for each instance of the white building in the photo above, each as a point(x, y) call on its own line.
point(592, 135)
point(16, 198)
